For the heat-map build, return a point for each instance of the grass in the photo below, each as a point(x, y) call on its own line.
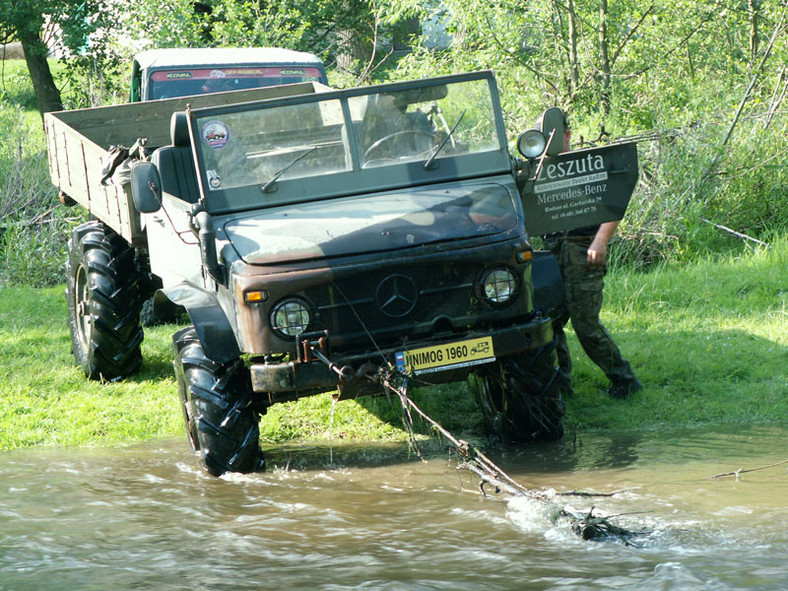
point(47, 401)
point(709, 340)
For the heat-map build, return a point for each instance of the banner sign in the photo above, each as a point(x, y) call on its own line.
point(581, 188)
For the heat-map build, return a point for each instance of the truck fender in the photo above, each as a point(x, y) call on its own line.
point(548, 284)
point(210, 322)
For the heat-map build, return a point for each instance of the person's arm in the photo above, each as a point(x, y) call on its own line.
point(597, 252)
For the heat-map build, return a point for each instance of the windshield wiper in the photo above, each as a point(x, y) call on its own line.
point(270, 184)
point(428, 164)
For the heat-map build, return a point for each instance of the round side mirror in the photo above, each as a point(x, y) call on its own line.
point(531, 143)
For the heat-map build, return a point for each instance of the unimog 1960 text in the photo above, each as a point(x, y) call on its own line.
point(318, 239)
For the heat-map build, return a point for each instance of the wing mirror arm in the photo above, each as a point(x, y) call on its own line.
point(541, 157)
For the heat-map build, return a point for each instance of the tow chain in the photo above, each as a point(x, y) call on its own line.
point(586, 525)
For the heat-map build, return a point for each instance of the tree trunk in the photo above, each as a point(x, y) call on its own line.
point(47, 92)
point(604, 59)
point(574, 67)
point(754, 7)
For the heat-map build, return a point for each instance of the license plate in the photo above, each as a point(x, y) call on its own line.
point(445, 356)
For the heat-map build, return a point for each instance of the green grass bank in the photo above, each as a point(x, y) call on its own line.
point(709, 340)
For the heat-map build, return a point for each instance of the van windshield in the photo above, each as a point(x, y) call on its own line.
point(190, 81)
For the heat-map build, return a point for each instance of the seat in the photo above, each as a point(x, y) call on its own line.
point(175, 162)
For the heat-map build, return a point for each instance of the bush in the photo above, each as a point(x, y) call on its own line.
point(33, 224)
point(34, 251)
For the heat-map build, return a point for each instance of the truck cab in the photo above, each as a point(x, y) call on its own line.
point(319, 240)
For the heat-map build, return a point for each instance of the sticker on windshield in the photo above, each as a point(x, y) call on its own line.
point(215, 134)
point(214, 180)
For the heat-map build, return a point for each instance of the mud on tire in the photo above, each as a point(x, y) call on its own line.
point(216, 400)
point(104, 300)
point(522, 396)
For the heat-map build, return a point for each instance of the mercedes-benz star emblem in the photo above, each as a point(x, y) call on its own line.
point(396, 295)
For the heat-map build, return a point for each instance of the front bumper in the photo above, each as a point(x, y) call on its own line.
point(293, 379)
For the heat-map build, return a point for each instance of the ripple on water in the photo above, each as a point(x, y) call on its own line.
point(148, 517)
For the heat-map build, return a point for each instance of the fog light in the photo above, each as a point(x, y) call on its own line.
point(499, 285)
point(290, 317)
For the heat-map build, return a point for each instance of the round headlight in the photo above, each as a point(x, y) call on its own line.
point(531, 143)
point(499, 285)
point(290, 317)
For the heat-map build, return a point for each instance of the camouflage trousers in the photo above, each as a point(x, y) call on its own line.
point(584, 285)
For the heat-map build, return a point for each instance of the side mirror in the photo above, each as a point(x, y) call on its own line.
point(531, 144)
point(146, 187)
point(552, 125)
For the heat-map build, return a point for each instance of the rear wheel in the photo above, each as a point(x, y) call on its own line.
point(522, 396)
point(104, 300)
point(217, 408)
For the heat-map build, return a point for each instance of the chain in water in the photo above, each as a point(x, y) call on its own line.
point(586, 525)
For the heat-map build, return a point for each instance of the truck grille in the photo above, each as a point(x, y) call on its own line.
point(399, 298)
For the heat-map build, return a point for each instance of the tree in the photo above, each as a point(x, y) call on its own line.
point(350, 30)
point(32, 22)
point(594, 57)
point(24, 21)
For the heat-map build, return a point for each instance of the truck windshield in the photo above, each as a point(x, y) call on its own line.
point(409, 125)
point(355, 132)
point(190, 81)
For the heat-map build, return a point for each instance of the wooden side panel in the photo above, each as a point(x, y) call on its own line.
point(75, 165)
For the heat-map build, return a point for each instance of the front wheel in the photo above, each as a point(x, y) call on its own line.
point(216, 400)
point(521, 396)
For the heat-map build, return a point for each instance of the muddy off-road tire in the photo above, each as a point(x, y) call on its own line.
point(216, 402)
point(157, 310)
point(104, 300)
point(521, 396)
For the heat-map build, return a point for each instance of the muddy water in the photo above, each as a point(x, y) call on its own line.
point(375, 517)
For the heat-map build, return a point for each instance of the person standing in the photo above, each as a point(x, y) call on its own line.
point(582, 258)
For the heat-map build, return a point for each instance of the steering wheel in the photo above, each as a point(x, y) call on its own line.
point(390, 137)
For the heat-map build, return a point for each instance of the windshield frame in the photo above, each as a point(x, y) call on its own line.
point(356, 180)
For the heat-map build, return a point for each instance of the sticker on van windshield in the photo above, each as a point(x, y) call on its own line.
point(215, 134)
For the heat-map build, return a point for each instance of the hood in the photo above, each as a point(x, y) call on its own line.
point(364, 224)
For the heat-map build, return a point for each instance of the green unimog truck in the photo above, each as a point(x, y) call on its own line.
point(319, 240)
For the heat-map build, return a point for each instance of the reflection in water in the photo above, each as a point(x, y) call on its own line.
point(376, 517)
